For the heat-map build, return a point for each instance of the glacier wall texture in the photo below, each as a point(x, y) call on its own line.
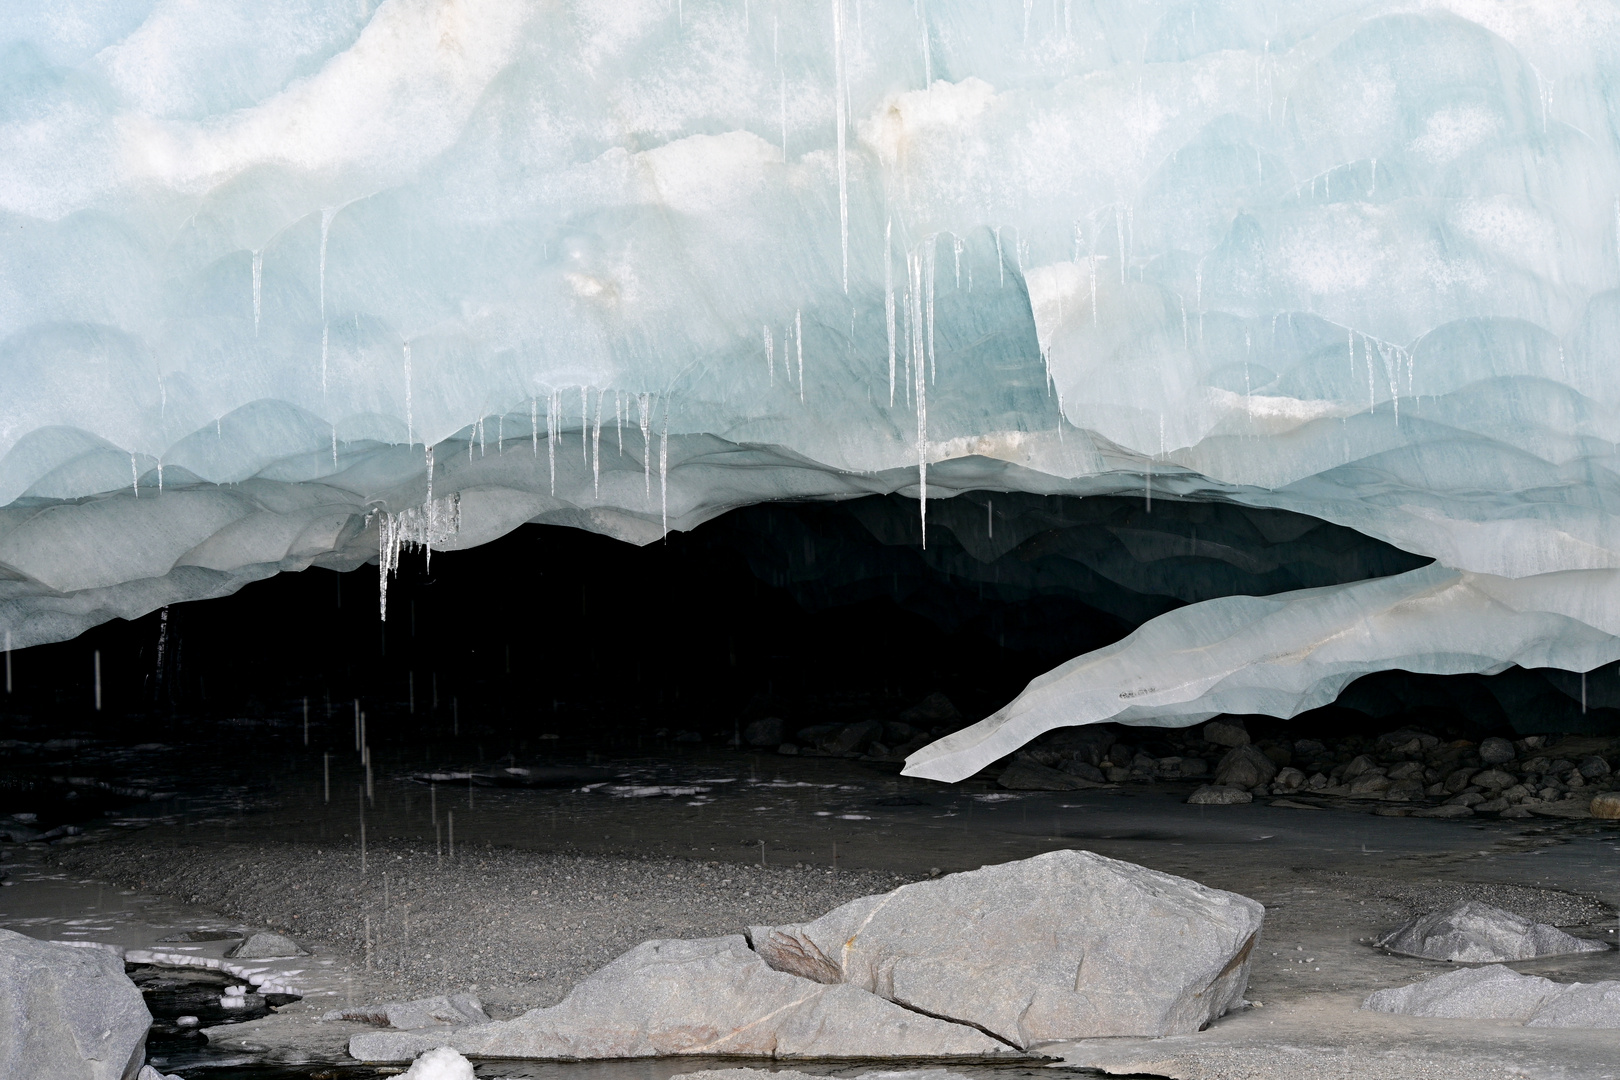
point(296, 283)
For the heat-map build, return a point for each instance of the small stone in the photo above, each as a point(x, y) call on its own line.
point(1495, 751)
point(1213, 795)
point(1458, 779)
point(1494, 779)
point(1592, 768)
point(1491, 806)
point(1404, 791)
point(1358, 765)
point(1290, 778)
point(768, 731)
point(1406, 770)
point(1245, 766)
point(1607, 806)
point(1467, 798)
point(1371, 782)
point(265, 945)
point(1226, 732)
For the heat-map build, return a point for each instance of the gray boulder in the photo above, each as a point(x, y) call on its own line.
point(769, 731)
point(1245, 766)
point(68, 1013)
point(1473, 933)
point(445, 1010)
point(1583, 1005)
point(1066, 945)
point(1500, 993)
point(1215, 795)
point(264, 945)
point(1226, 732)
point(713, 996)
point(1495, 751)
point(1024, 775)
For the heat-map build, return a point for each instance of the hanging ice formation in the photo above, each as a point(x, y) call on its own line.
point(1219, 271)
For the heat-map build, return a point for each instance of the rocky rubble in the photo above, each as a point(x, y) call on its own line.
point(1407, 771)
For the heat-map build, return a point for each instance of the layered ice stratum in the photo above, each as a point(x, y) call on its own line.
point(304, 282)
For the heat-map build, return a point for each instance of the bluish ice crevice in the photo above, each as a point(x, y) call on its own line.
point(1356, 261)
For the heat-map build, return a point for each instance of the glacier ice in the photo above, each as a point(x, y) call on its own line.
point(298, 283)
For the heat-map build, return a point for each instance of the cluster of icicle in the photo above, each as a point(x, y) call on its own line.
point(434, 522)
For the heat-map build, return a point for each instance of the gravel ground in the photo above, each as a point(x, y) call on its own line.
point(521, 927)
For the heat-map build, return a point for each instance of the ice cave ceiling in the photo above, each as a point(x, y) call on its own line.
point(295, 283)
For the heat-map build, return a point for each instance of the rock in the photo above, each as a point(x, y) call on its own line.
point(1450, 810)
point(1310, 749)
point(1486, 993)
point(1083, 769)
point(149, 1073)
point(1581, 1005)
point(1473, 933)
point(1065, 945)
point(1290, 778)
point(67, 1013)
point(1245, 766)
point(1494, 751)
point(1193, 766)
point(440, 1063)
point(1606, 806)
point(1406, 770)
point(441, 1011)
point(1227, 732)
point(1357, 765)
point(265, 945)
point(713, 996)
point(1028, 776)
point(1371, 782)
point(1458, 779)
point(1211, 795)
point(934, 709)
point(790, 749)
point(767, 731)
point(1592, 768)
point(1493, 779)
point(1404, 791)
point(1500, 993)
point(1491, 806)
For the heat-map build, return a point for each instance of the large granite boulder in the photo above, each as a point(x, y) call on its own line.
point(1066, 945)
point(1473, 933)
point(1500, 993)
point(68, 1013)
point(713, 996)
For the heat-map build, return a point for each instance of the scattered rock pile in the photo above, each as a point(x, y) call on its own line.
point(1473, 933)
point(1415, 772)
point(1065, 945)
point(1500, 993)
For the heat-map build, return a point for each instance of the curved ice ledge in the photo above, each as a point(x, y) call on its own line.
point(1280, 655)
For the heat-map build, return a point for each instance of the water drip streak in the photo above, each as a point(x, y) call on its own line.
point(888, 298)
point(840, 83)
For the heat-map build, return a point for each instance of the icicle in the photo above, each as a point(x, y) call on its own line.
point(483, 446)
point(434, 522)
point(644, 415)
point(427, 504)
point(928, 298)
point(500, 435)
point(888, 298)
point(921, 387)
point(551, 438)
point(618, 418)
point(258, 277)
point(798, 341)
point(663, 471)
point(596, 449)
point(956, 250)
point(770, 353)
point(584, 420)
point(840, 83)
point(410, 428)
point(928, 58)
point(334, 446)
point(1001, 261)
point(160, 475)
point(134, 475)
point(534, 424)
point(327, 213)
